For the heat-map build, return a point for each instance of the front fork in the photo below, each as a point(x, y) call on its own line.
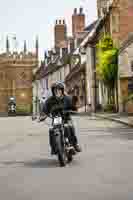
point(53, 133)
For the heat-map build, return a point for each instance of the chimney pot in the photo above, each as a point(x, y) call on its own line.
point(75, 11)
point(81, 10)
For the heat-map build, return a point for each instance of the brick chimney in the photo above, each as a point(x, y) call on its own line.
point(78, 21)
point(60, 33)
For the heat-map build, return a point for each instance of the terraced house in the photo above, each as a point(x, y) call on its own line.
point(57, 62)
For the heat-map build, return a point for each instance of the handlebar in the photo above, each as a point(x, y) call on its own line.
point(64, 112)
point(71, 112)
point(42, 119)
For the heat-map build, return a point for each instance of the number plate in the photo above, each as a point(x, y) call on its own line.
point(57, 121)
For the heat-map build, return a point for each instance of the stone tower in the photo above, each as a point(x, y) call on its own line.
point(60, 33)
point(25, 47)
point(78, 21)
point(7, 45)
point(37, 47)
point(16, 75)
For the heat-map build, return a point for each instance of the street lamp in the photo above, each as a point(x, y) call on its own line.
point(22, 95)
point(84, 88)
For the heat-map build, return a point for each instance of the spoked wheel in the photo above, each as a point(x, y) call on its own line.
point(62, 159)
point(60, 152)
point(69, 157)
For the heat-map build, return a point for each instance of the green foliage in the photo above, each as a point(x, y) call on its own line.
point(106, 43)
point(67, 59)
point(109, 108)
point(23, 109)
point(130, 97)
point(107, 67)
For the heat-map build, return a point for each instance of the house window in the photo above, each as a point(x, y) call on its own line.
point(130, 86)
point(132, 65)
point(115, 23)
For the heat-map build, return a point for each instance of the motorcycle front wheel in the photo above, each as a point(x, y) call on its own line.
point(60, 151)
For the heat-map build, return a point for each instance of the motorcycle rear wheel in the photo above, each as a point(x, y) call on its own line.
point(69, 157)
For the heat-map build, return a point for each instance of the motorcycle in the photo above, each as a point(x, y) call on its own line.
point(12, 109)
point(61, 145)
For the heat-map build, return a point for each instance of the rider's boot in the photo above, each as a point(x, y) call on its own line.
point(77, 148)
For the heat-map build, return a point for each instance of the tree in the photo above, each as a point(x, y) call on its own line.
point(107, 67)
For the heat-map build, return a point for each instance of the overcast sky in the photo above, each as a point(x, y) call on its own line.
point(28, 18)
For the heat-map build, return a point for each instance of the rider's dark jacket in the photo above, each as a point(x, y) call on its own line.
point(54, 103)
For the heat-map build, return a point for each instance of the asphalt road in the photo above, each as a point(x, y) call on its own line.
point(103, 171)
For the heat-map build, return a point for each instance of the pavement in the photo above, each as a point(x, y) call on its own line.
point(123, 118)
point(103, 171)
point(120, 118)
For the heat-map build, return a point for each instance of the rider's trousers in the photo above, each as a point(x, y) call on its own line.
point(69, 131)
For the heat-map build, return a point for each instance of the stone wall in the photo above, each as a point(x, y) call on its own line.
point(16, 75)
point(121, 16)
point(125, 74)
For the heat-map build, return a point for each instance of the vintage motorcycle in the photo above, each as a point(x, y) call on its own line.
point(12, 109)
point(61, 145)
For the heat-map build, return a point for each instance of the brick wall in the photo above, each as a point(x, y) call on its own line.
point(121, 17)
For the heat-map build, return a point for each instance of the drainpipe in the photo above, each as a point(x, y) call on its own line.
point(94, 77)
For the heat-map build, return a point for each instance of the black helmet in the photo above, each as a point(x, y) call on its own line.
point(60, 85)
point(57, 85)
point(53, 87)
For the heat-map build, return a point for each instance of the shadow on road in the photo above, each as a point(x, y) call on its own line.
point(42, 163)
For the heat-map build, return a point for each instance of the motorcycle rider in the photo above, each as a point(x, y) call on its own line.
point(60, 100)
point(41, 113)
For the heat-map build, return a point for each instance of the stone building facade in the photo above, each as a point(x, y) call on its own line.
point(101, 6)
point(121, 16)
point(75, 80)
point(57, 62)
point(16, 74)
point(117, 15)
point(125, 76)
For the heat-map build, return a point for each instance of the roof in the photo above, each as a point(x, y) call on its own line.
point(52, 67)
point(93, 30)
point(75, 71)
point(128, 41)
point(90, 26)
